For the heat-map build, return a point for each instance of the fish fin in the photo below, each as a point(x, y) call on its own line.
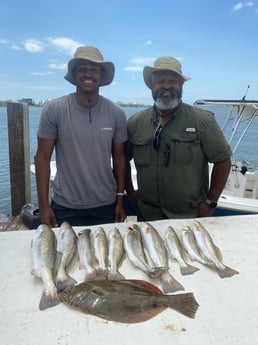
point(115, 276)
point(169, 283)
point(48, 300)
point(36, 272)
point(185, 304)
point(90, 276)
point(226, 272)
point(81, 266)
point(189, 269)
point(62, 284)
point(101, 271)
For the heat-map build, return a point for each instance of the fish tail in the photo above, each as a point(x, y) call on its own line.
point(226, 272)
point(48, 300)
point(115, 276)
point(189, 269)
point(185, 304)
point(170, 284)
point(62, 284)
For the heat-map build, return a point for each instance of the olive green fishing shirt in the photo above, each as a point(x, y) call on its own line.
point(174, 178)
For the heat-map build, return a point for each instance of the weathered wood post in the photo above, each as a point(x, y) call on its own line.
point(19, 155)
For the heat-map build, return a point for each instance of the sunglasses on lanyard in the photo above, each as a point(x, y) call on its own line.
point(157, 138)
point(156, 144)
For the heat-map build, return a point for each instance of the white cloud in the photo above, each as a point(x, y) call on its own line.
point(38, 73)
point(136, 68)
point(41, 74)
point(148, 43)
point(54, 65)
point(137, 64)
point(15, 46)
point(240, 5)
point(33, 46)
point(143, 60)
point(64, 44)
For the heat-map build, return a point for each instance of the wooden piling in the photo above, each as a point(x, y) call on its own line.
point(19, 155)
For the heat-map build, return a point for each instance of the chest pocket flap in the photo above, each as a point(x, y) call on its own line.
point(185, 146)
point(142, 147)
point(187, 136)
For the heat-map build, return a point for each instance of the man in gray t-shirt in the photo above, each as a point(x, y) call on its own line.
point(88, 133)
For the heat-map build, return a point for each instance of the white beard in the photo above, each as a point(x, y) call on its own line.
point(172, 104)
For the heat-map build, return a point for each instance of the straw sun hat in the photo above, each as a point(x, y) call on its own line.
point(164, 63)
point(91, 54)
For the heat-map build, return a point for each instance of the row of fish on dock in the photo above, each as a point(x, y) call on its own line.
point(101, 255)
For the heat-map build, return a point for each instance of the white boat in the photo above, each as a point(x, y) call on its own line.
point(240, 195)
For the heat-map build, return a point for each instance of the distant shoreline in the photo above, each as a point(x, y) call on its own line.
point(125, 105)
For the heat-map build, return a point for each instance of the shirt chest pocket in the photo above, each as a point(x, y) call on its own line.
point(184, 147)
point(142, 150)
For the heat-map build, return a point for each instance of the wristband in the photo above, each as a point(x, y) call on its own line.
point(120, 193)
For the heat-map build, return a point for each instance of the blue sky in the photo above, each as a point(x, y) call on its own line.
point(215, 40)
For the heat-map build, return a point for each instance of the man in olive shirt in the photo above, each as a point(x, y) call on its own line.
point(171, 144)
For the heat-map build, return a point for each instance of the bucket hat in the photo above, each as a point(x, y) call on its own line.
point(164, 63)
point(91, 54)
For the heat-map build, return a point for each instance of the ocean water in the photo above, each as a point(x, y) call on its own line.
point(248, 150)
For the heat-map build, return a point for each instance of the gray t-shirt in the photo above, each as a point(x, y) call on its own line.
point(84, 177)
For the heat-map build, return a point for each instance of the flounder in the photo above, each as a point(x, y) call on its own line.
point(126, 301)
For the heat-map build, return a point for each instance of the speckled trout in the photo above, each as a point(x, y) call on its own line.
point(176, 251)
point(66, 255)
point(100, 244)
point(43, 247)
point(190, 245)
point(115, 254)
point(210, 251)
point(154, 245)
point(86, 254)
point(135, 253)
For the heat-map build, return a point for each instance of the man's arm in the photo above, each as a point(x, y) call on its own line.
point(42, 165)
point(119, 168)
point(219, 176)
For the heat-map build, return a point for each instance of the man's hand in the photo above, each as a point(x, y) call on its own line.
point(48, 217)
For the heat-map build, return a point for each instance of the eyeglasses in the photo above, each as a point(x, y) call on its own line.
point(157, 138)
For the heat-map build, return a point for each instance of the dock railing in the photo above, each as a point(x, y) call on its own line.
point(19, 155)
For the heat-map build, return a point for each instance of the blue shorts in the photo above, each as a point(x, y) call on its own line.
point(81, 217)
